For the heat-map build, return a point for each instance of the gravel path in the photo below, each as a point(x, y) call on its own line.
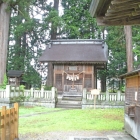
point(61, 135)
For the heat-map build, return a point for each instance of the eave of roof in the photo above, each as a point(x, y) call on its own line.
point(116, 12)
point(14, 73)
point(99, 7)
point(137, 71)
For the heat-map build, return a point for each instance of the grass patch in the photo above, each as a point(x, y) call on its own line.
point(74, 119)
point(29, 110)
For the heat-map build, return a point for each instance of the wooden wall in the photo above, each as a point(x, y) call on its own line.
point(133, 90)
point(85, 72)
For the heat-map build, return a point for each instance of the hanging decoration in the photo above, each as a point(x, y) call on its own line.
point(72, 77)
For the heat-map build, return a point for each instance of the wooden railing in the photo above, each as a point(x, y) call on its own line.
point(34, 94)
point(9, 122)
point(2, 93)
point(107, 96)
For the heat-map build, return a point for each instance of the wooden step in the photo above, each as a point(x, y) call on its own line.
point(72, 98)
point(69, 104)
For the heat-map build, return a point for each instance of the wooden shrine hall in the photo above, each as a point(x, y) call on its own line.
point(124, 12)
point(75, 64)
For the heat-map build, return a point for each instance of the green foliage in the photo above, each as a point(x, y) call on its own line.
point(31, 77)
point(47, 87)
point(20, 98)
point(5, 81)
point(22, 88)
point(136, 45)
point(117, 56)
point(27, 37)
point(78, 23)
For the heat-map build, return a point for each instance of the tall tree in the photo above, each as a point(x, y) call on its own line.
point(78, 23)
point(136, 45)
point(53, 34)
point(129, 54)
point(117, 55)
point(28, 38)
point(4, 34)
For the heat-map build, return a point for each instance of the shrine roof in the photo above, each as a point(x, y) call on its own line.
point(91, 51)
point(14, 73)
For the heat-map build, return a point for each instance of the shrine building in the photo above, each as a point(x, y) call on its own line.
point(75, 64)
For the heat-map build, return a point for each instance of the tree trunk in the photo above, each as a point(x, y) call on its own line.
point(4, 35)
point(129, 53)
point(53, 36)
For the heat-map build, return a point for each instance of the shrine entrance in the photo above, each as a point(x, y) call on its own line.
point(73, 84)
point(70, 80)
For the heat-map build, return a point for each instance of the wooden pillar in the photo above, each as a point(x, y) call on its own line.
point(95, 77)
point(50, 75)
point(83, 76)
point(63, 78)
point(103, 83)
point(129, 54)
point(4, 34)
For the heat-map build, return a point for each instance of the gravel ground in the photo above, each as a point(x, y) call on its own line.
point(61, 135)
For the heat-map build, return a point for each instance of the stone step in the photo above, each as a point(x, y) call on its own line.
point(72, 98)
point(72, 106)
point(69, 104)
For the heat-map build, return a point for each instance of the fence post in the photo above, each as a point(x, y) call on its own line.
point(107, 96)
point(53, 92)
point(8, 92)
point(118, 95)
point(42, 91)
point(3, 123)
point(32, 92)
point(16, 106)
point(84, 95)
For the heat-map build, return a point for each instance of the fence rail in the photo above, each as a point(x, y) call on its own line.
point(107, 96)
point(9, 122)
point(50, 95)
point(34, 94)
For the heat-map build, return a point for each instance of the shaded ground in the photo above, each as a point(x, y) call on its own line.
point(78, 135)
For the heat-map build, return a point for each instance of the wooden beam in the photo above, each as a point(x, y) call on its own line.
point(113, 14)
point(129, 9)
point(128, 17)
point(102, 22)
point(125, 6)
point(121, 1)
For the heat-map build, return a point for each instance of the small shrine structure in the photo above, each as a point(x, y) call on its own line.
point(75, 64)
point(14, 77)
point(132, 102)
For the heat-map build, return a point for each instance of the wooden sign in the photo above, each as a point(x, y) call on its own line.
point(95, 91)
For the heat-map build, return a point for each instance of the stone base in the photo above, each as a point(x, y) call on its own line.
point(45, 104)
point(86, 106)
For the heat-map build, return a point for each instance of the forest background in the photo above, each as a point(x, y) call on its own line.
point(34, 23)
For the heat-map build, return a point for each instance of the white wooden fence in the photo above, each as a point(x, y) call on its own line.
point(105, 96)
point(36, 94)
point(52, 94)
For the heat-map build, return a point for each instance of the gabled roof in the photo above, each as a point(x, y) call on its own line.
point(14, 73)
point(116, 12)
point(89, 51)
